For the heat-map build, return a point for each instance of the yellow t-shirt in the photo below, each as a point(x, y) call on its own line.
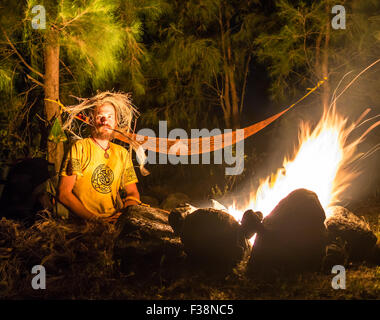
point(99, 179)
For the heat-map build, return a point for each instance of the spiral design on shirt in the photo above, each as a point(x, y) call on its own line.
point(102, 178)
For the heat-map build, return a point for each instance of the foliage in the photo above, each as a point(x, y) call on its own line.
point(196, 48)
point(294, 46)
point(88, 56)
point(88, 61)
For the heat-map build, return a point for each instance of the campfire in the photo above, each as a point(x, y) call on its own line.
point(293, 218)
point(324, 162)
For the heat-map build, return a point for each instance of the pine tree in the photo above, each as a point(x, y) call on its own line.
point(302, 48)
point(87, 41)
point(201, 52)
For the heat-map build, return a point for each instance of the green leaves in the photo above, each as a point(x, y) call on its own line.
point(99, 39)
point(289, 46)
point(91, 57)
point(296, 47)
point(5, 78)
point(194, 48)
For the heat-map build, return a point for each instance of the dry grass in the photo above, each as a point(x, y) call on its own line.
point(77, 258)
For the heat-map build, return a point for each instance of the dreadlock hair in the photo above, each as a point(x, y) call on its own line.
point(126, 114)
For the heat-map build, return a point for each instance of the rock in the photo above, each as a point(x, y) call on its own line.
point(357, 234)
point(146, 244)
point(375, 254)
point(25, 190)
point(174, 200)
point(153, 202)
point(251, 223)
point(292, 237)
point(211, 237)
point(336, 254)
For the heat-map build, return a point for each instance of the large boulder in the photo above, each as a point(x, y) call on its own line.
point(375, 253)
point(292, 237)
point(354, 231)
point(213, 238)
point(25, 190)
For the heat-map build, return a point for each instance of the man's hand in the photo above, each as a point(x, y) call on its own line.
point(113, 218)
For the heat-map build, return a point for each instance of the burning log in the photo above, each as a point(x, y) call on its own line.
point(207, 238)
point(145, 244)
point(292, 237)
point(213, 238)
point(354, 231)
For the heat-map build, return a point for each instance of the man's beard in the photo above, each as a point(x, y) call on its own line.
point(101, 133)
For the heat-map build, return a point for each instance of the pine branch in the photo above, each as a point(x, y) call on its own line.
point(34, 80)
point(73, 19)
point(20, 56)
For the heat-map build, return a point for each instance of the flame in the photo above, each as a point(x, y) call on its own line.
point(322, 163)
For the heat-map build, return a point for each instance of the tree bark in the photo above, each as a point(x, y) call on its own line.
point(325, 67)
point(318, 56)
point(230, 97)
point(51, 90)
point(235, 103)
point(226, 98)
point(233, 91)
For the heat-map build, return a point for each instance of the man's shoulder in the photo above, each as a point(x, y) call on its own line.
point(80, 146)
point(119, 148)
point(81, 142)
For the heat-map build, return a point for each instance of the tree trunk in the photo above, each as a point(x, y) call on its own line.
point(318, 56)
point(235, 103)
point(325, 68)
point(229, 95)
point(233, 92)
point(227, 101)
point(227, 121)
point(51, 90)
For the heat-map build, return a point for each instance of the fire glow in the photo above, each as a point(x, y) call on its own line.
point(322, 163)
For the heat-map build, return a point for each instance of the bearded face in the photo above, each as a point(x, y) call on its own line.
point(105, 121)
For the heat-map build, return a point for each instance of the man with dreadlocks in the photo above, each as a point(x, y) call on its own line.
point(95, 169)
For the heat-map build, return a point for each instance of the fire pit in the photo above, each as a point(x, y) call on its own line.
point(294, 202)
point(298, 198)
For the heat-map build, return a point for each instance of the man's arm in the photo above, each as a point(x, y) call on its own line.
point(133, 195)
point(67, 198)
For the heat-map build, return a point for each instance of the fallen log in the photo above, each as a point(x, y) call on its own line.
point(196, 240)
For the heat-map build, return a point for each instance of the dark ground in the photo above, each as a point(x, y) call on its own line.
point(79, 264)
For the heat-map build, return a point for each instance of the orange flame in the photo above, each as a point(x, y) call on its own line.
point(321, 163)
